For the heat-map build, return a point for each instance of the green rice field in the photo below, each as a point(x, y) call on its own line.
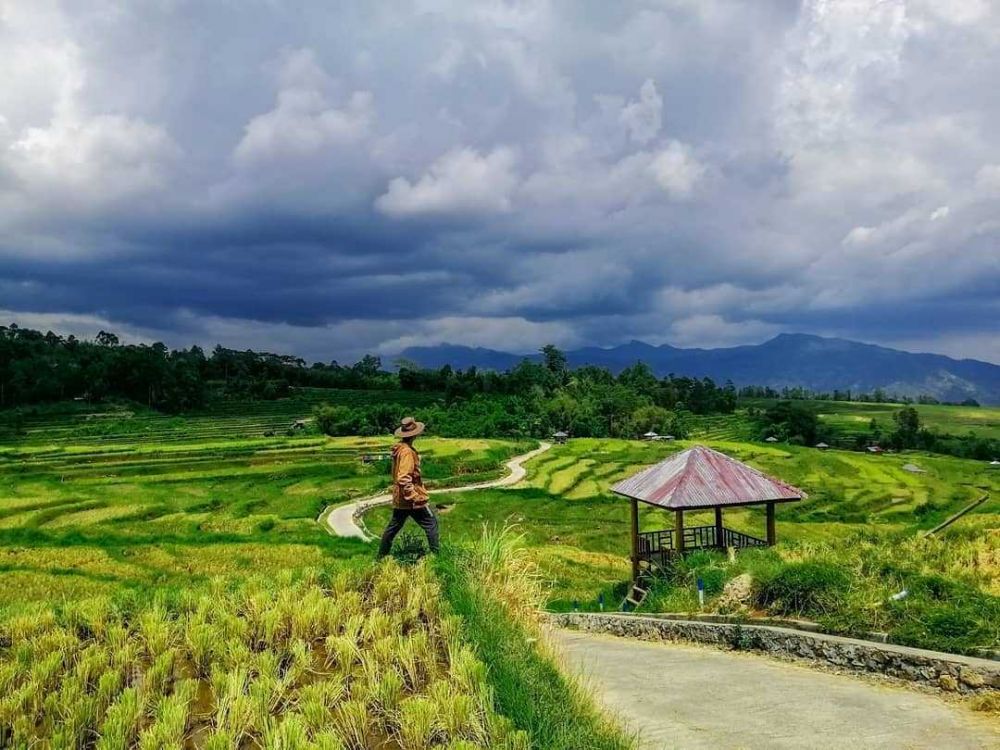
point(79, 517)
point(850, 418)
point(79, 422)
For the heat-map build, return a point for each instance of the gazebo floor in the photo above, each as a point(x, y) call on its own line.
point(658, 546)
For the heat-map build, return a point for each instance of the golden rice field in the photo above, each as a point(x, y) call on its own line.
point(354, 659)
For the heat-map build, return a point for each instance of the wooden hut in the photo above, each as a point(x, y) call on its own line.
point(698, 479)
point(560, 437)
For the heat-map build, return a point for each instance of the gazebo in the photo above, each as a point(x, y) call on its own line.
point(560, 437)
point(650, 435)
point(693, 480)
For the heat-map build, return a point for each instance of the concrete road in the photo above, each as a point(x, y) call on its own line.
point(678, 696)
point(341, 521)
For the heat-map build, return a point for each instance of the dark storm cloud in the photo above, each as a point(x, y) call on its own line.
point(329, 179)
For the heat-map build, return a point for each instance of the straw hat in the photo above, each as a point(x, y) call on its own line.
point(409, 427)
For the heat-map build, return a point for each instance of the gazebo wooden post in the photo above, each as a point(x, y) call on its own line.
point(679, 531)
point(720, 540)
point(635, 540)
point(771, 535)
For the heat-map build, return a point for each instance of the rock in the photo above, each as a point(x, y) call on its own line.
point(737, 594)
point(971, 678)
point(947, 682)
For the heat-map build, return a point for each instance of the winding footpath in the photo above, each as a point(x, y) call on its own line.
point(343, 519)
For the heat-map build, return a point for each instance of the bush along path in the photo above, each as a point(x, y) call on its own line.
point(343, 520)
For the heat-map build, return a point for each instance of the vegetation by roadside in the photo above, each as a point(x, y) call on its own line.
point(926, 592)
point(492, 585)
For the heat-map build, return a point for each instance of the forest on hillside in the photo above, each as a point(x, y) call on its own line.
point(533, 399)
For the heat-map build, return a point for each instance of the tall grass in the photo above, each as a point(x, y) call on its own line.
point(493, 588)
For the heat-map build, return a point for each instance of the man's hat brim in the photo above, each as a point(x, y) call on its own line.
point(416, 429)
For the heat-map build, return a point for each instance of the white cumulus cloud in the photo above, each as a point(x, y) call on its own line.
point(303, 120)
point(676, 170)
point(463, 181)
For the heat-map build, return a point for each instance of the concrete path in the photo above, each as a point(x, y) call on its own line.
point(690, 697)
point(342, 520)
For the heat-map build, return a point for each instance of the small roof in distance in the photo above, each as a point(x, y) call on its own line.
point(771, 439)
point(822, 445)
point(559, 434)
point(650, 434)
point(703, 478)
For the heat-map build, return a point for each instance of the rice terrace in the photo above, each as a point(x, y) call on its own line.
point(169, 580)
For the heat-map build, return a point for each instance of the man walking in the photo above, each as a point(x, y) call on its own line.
point(409, 498)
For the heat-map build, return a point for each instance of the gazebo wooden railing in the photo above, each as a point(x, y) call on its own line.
point(697, 479)
point(658, 546)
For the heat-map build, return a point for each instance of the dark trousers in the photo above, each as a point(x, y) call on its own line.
point(425, 519)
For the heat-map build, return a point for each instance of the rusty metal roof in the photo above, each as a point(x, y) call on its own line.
point(703, 478)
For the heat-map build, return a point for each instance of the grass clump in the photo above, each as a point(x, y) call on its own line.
point(811, 587)
point(493, 588)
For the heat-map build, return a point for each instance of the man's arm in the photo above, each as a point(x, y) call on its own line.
point(404, 474)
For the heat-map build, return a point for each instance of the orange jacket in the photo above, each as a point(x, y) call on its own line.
point(407, 485)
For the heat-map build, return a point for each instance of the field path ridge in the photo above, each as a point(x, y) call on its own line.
point(697, 696)
point(342, 520)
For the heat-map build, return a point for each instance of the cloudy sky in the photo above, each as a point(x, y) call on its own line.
point(333, 178)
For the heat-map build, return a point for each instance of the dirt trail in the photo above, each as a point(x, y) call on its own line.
point(691, 697)
point(342, 519)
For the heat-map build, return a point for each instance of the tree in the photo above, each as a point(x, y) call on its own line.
point(652, 417)
point(640, 378)
point(368, 366)
point(907, 430)
point(554, 360)
point(106, 339)
point(336, 420)
point(791, 420)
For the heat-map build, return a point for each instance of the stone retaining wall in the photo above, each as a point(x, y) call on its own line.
point(945, 671)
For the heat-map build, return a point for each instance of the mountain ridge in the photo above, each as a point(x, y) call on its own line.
point(802, 360)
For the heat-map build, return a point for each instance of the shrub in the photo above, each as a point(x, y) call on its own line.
point(808, 588)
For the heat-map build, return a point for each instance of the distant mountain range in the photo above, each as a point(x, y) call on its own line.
point(813, 362)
